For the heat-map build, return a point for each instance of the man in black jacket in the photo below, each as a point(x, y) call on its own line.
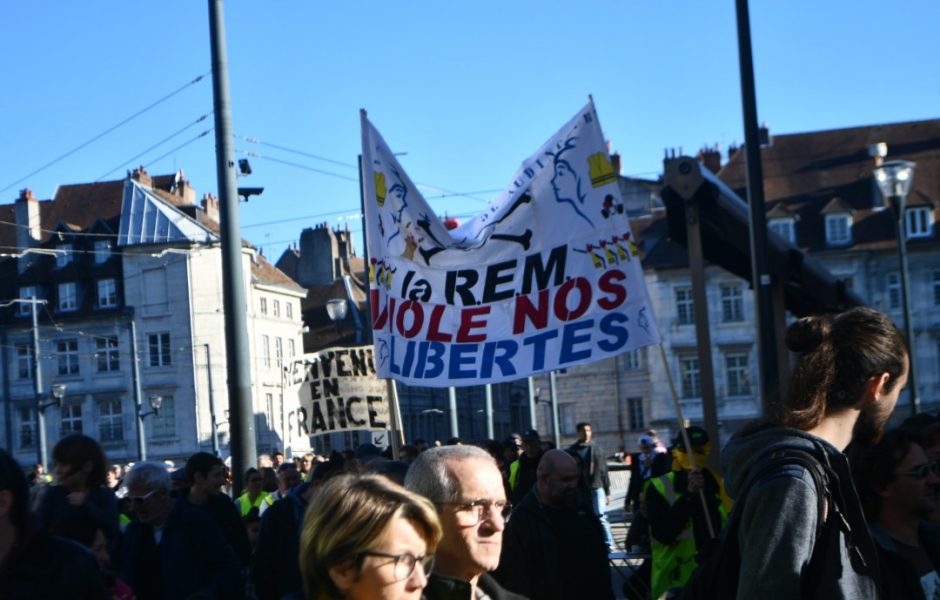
point(205, 474)
point(34, 564)
point(173, 550)
point(594, 467)
point(553, 547)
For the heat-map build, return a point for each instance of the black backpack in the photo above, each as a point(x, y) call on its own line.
point(717, 577)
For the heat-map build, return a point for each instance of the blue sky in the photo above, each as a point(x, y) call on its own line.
point(468, 90)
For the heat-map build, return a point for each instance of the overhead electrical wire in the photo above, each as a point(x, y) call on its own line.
point(160, 143)
point(107, 131)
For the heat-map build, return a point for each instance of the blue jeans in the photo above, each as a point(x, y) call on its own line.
point(599, 503)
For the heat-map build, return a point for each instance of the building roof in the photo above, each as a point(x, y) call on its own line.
point(814, 173)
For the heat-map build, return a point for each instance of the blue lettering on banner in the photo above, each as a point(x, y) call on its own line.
point(570, 337)
point(610, 325)
point(509, 348)
point(538, 352)
point(458, 358)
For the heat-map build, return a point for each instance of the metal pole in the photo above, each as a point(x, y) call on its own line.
point(533, 416)
point(703, 340)
point(37, 379)
point(898, 204)
point(238, 366)
point(488, 390)
point(760, 262)
point(553, 394)
point(212, 417)
point(135, 375)
point(452, 398)
point(398, 432)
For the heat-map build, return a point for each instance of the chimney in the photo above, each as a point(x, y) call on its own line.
point(141, 176)
point(182, 189)
point(763, 135)
point(28, 234)
point(711, 158)
point(210, 204)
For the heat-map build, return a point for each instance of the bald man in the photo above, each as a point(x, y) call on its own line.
point(553, 546)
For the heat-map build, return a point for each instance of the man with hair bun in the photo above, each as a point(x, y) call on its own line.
point(850, 370)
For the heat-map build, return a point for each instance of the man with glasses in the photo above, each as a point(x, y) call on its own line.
point(466, 487)
point(553, 548)
point(172, 550)
point(894, 480)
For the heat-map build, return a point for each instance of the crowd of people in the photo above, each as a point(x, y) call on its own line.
point(825, 505)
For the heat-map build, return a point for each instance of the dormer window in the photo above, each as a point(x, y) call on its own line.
point(63, 255)
point(838, 229)
point(785, 228)
point(102, 251)
point(919, 221)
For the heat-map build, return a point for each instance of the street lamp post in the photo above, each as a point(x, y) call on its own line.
point(894, 179)
point(156, 401)
point(58, 393)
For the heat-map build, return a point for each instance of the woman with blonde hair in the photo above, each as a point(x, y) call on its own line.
point(367, 538)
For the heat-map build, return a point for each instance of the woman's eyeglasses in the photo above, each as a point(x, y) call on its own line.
point(405, 563)
point(922, 471)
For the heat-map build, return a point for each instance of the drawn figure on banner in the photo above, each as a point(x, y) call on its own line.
point(567, 182)
point(488, 231)
point(396, 199)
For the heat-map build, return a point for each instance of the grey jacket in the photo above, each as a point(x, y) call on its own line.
point(778, 526)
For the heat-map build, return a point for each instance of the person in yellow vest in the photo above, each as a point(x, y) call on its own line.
point(254, 496)
point(679, 531)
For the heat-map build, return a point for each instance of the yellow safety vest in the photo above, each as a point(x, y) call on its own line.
point(513, 474)
point(245, 504)
point(674, 563)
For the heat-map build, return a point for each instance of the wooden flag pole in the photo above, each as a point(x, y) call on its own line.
point(685, 436)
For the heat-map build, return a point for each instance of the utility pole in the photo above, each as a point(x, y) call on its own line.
point(135, 376)
point(37, 379)
point(243, 444)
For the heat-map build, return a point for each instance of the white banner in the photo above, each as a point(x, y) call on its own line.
point(338, 391)
point(546, 277)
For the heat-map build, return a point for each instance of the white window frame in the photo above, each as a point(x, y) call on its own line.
point(68, 358)
point(635, 412)
point(893, 291)
point(738, 373)
point(107, 293)
point(71, 419)
point(691, 376)
point(732, 303)
point(164, 422)
point(291, 347)
point(266, 350)
point(839, 229)
point(29, 427)
point(278, 351)
point(785, 228)
point(107, 354)
point(289, 309)
point(567, 417)
point(159, 350)
point(68, 296)
point(102, 251)
point(24, 361)
point(63, 255)
point(276, 308)
point(632, 360)
point(264, 305)
point(918, 221)
point(685, 306)
point(110, 421)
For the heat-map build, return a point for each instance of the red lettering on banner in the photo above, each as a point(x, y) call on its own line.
point(434, 327)
point(468, 322)
point(584, 299)
point(609, 282)
point(526, 311)
point(418, 318)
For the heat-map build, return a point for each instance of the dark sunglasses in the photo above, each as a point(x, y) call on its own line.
point(922, 471)
point(138, 500)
